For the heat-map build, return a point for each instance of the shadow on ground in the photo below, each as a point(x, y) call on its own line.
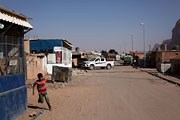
point(36, 107)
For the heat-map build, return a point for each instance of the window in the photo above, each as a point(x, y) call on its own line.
point(51, 58)
point(11, 55)
point(54, 58)
point(102, 59)
point(92, 59)
point(97, 60)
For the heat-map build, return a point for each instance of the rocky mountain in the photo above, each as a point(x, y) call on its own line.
point(168, 43)
point(175, 38)
point(156, 46)
point(176, 34)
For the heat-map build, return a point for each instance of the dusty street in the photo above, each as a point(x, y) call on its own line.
point(122, 93)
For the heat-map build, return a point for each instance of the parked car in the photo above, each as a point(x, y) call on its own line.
point(98, 63)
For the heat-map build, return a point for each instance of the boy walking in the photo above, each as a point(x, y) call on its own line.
point(41, 90)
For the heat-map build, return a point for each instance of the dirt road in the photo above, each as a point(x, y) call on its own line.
point(122, 93)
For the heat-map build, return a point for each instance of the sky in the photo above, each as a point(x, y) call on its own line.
point(100, 24)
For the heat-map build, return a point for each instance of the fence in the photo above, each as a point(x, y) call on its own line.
point(11, 55)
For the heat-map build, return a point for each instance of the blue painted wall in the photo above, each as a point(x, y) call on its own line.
point(45, 44)
point(13, 96)
point(13, 103)
point(11, 82)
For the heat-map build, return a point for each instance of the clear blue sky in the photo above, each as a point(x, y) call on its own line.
point(100, 24)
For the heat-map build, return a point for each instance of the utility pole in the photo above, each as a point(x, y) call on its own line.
point(149, 48)
point(120, 50)
point(132, 40)
point(143, 25)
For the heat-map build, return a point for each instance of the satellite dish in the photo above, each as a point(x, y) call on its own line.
point(1, 26)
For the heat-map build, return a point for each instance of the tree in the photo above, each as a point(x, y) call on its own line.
point(77, 49)
point(175, 47)
point(104, 53)
point(113, 51)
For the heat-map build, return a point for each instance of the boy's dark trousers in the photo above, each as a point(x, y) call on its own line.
point(41, 99)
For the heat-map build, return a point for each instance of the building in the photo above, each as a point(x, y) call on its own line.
point(164, 56)
point(13, 93)
point(53, 52)
point(77, 59)
point(27, 45)
point(175, 65)
point(162, 59)
point(139, 57)
point(35, 64)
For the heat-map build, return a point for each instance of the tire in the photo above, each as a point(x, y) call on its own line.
point(91, 67)
point(108, 66)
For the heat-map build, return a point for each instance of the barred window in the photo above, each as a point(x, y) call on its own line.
point(11, 55)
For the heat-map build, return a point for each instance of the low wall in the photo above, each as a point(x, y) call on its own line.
point(61, 74)
point(50, 67)
point(13, 103)
point(175, 66)
point(13, 96)
point(163, 67)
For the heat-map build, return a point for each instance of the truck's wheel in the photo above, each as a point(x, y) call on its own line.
point(91, 67)
point(108, 66)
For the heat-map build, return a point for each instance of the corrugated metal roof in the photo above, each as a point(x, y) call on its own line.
point(14, 17)
point(48, 44)
point(14, 13)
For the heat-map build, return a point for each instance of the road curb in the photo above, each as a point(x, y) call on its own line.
point(163, 78)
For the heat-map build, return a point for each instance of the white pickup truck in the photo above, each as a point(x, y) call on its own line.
point(98, 63)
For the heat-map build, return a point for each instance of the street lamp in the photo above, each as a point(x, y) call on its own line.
point(132, 37)
point(1, 26)
point(143, 25)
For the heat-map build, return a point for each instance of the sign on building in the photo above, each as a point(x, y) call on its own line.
point(57, 49)
point(13, 62)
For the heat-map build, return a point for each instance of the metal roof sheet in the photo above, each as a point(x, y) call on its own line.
point(14, 20)
point(48, 44)
point(14, 17)
point(14, 13)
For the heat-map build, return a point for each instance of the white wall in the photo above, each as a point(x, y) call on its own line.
point(44, 63)
point(66, 60)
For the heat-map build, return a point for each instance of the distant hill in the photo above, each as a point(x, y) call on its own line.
point(175, 40)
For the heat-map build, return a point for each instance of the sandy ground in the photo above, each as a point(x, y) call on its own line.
point(122, 93)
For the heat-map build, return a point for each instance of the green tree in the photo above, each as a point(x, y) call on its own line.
point(175, 47)
point(104, 53)
point(113, 51)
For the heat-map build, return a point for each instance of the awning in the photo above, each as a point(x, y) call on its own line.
point(14, 20)
point(68, 43)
